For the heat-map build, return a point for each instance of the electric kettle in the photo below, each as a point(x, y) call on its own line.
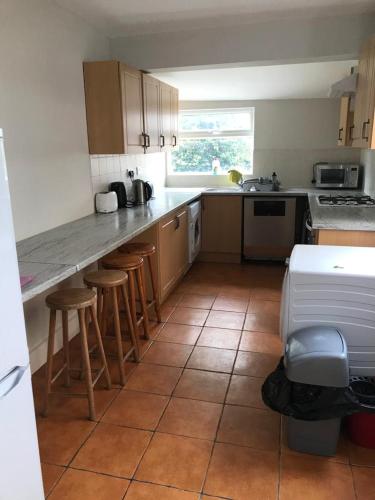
point(142, 191)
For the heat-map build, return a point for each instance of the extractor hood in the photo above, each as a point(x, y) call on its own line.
point(345, 87)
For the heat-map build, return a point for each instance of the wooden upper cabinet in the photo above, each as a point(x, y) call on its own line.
point(346, 123)
point(132, 105)
point(127, 111)
point(151, 112)
point(113, 94)
point(166, 139)
point(174, 118)
point(364, 131)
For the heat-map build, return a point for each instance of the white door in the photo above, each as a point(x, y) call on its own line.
point(20, 475)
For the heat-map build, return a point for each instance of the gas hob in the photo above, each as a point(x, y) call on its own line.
point(356, 200)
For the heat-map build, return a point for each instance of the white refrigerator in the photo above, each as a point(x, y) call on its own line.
point(20, 473)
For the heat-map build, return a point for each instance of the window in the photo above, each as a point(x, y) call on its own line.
point(214, 141)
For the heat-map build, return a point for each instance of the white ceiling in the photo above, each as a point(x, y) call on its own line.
point(130, 17)
point(288, 81)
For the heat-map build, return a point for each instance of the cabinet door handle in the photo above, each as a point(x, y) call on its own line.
point(148, 141)
point(162, 142)
point(351, 128)
point(339, 137)
point(174, 140)
point(144, 140)
point(364, 125)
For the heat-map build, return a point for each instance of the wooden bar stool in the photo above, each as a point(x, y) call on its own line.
point(132, 265)
point(110, 285)
point(80, 300)
point(146, 250)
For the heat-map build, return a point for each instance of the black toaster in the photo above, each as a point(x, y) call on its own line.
point(120, 190)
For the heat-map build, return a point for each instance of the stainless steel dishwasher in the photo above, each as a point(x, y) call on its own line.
point(268, 227)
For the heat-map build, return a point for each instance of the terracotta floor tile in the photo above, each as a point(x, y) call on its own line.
point(80, 484)
point(205, 386)
point(225, 303)
point(243, 473)
point(235, 291)
point(167, 353)
point(136, 409)
point(51, 474)
point(212, 359)
point(304, 477)
point(179, 334)
point(175, 461)
point(361, 456)
point(113, 450)
point(188, 316)
point(154, 378)
point(198, 301)
point(197, 288)
point(261, 342)
point(148, 491)
point(245, 391)
point(188, 417)
point(165, 312)
point(255, 364)
point(60, 438)
point(266, 293)
point(73, 407)
point(224, 319)
point(173, 299)
point(364, 484)
point(219, 337)
point(263, 316)
point(252, 427)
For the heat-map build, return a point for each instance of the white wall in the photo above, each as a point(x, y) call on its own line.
point(284, 40)
point(290, 135)
point(42, 112)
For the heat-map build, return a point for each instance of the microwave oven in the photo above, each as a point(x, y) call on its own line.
point(337, 175)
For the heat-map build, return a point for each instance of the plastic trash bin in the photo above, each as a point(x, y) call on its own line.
point(361, 426)
point(317, 356)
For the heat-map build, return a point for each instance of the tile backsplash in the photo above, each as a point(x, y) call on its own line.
point(111, 168)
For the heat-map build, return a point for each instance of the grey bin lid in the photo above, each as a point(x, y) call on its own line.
point(317, 355)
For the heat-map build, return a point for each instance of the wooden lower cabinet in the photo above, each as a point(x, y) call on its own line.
point(221, 228)
point(345, 238)
point(173, 250)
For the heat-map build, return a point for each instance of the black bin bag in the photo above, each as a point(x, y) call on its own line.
point(309, 402)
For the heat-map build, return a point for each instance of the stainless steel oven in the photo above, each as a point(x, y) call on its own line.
point(337, 175)
point(268, 227)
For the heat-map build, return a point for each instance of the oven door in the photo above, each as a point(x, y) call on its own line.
point(331, 177)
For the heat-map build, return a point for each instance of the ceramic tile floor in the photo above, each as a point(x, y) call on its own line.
point(190, 423)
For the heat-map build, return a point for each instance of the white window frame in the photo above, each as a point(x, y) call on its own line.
point(215, 133)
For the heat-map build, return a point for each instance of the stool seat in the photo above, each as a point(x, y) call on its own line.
point(107, 278)
point(142, 249)
point(122, 261)
point(71, 298)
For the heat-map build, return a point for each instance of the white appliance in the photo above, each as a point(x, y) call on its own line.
point(106, 203)
point(333, 286)
point(20, 474)
point(194, 218)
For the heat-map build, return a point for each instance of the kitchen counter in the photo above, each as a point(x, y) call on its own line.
point(54, 255)
point(323, 217)
point(341, 218)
